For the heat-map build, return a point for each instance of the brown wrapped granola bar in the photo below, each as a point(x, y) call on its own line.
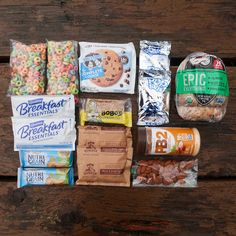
point(104, 166)
point(104, 156)
point(100, 136)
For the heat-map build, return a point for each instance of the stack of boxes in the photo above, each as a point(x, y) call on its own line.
point(44, 134)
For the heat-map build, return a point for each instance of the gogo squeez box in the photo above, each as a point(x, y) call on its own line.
point(44, 134)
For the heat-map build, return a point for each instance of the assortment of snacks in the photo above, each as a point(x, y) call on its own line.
point(102, 161)
point(48, 133)
point(62, 68)
point(28, 68)
point(168, 141)
point(44, 126)
point(44, 176)
point(202, 88)
point(106, 111)
point(166, 173)
point(107, 67)
point(42, 105)
point(44, 158)
point(154, 83)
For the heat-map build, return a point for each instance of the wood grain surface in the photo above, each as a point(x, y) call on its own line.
point(207, 210)
point(190, 25)
point(218, 150)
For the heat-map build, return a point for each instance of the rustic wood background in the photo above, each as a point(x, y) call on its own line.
point(210, 209)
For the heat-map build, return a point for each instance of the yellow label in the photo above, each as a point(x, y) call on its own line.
point(110, 117)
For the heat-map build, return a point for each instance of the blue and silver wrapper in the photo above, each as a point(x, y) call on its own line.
point(154, 83)
point(45, 176)
point(45, 158)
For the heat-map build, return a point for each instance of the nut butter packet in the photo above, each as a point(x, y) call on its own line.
point(44, 176)
point(165, 173)
point(101, 136)
point(108, 166)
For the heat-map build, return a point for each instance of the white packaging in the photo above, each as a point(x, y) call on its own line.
point(57, 133)
point(106, 67)
point(43, 106)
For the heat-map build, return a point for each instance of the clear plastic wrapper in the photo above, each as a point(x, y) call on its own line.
point(44, 176)
point(107, 67)
point(44, 158)
point(28, 68)
point(42, 106)
point(154, 83)
point(106, 111)
point(165, 173)
point(202, 88)
point(62, 68)
point(50, 133)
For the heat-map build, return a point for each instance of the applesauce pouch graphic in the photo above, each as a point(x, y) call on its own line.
point(45, 176)
point(44, 158)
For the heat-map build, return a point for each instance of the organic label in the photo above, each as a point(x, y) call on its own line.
point(202, 81)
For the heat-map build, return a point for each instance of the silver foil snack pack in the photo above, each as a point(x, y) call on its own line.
point(154, 83)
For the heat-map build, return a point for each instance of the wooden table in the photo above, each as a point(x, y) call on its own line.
point(210, 209)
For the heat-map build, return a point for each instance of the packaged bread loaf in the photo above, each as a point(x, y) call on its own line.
point(202, 89)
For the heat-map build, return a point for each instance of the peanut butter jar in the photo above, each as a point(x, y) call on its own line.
point(171, 141)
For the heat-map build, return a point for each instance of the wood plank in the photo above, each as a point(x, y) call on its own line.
point(218, 151)
point(190, 25)
point(206, 210)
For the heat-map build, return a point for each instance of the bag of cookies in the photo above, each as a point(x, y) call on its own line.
point(62, 67)
point(154, 83)
point(42, 106)
point(165, 173)
point(44, 176)
point(202, 88)
point(44, 158)
point(28, 68)
point(108, 111)
point(107, 67)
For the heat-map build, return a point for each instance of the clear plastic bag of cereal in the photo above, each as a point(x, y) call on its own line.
point(62, 68)
point(28, 68)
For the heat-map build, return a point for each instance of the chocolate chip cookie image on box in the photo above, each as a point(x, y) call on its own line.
point(107, 67)
point(112, 68)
